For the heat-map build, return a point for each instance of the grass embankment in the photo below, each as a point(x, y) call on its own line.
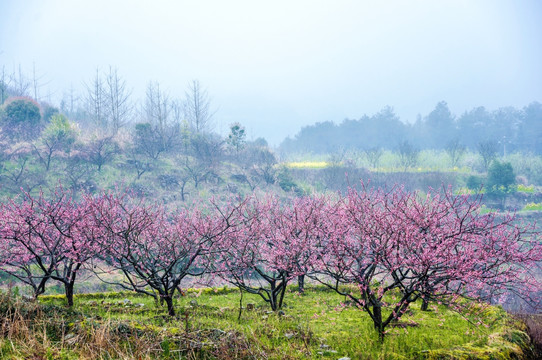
point(316, 325)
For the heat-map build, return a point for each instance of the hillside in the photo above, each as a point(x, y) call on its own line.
point(316, 324)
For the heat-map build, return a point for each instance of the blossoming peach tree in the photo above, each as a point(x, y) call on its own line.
point(153, 249)
point(436, 247)
point(46, 238)
point(271, 243)
point(383, 250)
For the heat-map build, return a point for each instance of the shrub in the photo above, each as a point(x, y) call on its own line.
point(21, 118)
point(22, 110)
point(286, 182)
point(500, 176)
point(474, 182)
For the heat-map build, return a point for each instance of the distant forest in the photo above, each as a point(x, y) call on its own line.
point(508, 129)
point(164, 146)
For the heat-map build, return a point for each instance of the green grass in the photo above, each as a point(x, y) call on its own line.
point(533, 207)
point(467, 191)
point(486, 210)
point(526, 189)
point(316, 325)
point(428, 161)
point(307, 164)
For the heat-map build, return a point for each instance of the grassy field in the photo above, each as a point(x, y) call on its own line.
point(315, 325)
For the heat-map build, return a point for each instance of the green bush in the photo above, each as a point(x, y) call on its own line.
point(22, 110)
point(474, 182)
point(21, 118)
point(501, 180)
point(501, 175)
point(286, 182)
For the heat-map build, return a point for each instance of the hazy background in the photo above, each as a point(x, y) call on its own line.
point(279, 65)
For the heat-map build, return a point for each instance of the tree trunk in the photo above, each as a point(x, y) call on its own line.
point(169, 301)
point(273, 300)
point(68, 287)
point(40, 289)
point(184, 182)
point(240, 305)
point(48, 163)
point(301, 283)
point(425, 304)
point(282, 292)
point(377, 320)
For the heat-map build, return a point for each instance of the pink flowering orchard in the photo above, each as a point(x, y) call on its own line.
point(241, 258)
point(271, 243)
point(153, 249)
point(382, 249)
point(46, 239)
point(297, 227)
point(401, 247)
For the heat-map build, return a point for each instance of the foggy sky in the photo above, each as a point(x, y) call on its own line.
point(278, 65)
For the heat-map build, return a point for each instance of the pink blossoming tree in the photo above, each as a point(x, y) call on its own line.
point(270, 244)
point(153, 249)
point(46, 239)
point(401, 247)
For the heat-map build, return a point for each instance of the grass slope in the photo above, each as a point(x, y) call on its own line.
point(315, 325)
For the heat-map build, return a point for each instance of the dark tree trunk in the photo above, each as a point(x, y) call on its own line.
point(282, 292)
point(377, 320)
point(183, 185)
point(301, 283)
point(425, 304)
point(240, 305)
point(276, 295)
point(40, 289)
point(273, 300)
point(48, 163)
point(69, 293)
point(169, 301)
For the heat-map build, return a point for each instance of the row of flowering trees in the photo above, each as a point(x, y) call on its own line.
point(382, 249)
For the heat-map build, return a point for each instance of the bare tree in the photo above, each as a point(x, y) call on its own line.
point(488, 152)
point(96, 101)
point(158, 132)
point(99, 150)
point(408, 155)
point(203, 160)
point(262, 164)
point(118, 97)
point(455, 151)
point(177, 111)
point(73, 99)
point(157, 106)
point(17, 172)
point(70, 106)
point(21, 84)
point(373, 155)
point(141, 164)
point(5, 85)
point(197, 108)
point(148, 141)
point(79, 173)
point(196, 170)
point(15, 168)
point(36, 83)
